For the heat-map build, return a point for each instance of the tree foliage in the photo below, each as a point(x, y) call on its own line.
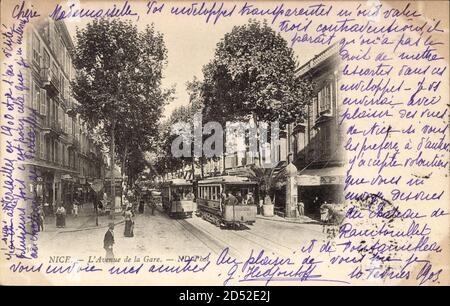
point(118, 85)
point(253, 73)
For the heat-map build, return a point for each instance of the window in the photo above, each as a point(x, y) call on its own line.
point(37, 148)
point(43, 102)
point(69, 125)
point(46, 60)
point(43, 147)
point(64, 122)
point(36, 97)
point(325, 96)
point(310, 115)
point(49, 111)
point(325, 139)
point(60, 117)
point(63, 153)
point(61, 54)
point(48, 149)
point(68, 63)
point(60, 153)
point(36, 43)
point(61, 84)
point(215, 195)
point(54, 152)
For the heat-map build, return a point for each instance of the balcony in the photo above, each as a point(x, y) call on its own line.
point(50, 80)
point(71, 107)
point(53, 128)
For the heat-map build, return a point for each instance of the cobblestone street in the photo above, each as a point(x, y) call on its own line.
point(166, 238)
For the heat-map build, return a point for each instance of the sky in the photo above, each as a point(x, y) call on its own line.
point(190, 42)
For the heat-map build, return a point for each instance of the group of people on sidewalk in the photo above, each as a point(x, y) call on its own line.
point(60, 212)
point(131, 204)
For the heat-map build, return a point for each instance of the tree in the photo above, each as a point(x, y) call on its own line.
point(268, 180)
point(253, 75)
point(186, 114)
point(118, 82)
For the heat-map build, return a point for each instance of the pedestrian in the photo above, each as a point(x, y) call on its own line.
point(260, 206)
point(108, 241)
point(60, 217)
point(47, 209)
point(324, 216)
point(79, 203)
point(128, 215)
point(301, 208)
point(141, 206)
point(41, 216)
point(153, 205)
point(75, 209)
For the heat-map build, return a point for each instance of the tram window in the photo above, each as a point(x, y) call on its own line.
point(244, 191)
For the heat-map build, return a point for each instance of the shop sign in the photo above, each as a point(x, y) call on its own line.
point(66, 177)
point(331, 180)
point(97, 185)
point(308, 180)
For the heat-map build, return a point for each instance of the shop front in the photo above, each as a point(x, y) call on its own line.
point(319, 186)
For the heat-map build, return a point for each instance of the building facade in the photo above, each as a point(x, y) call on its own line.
point(318, 142)
point(66, 156)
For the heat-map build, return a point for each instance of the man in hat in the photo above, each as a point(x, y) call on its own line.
point(108, 241)
point(301, 208)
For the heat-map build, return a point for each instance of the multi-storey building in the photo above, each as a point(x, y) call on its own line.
point(317, 144)
point(66, 156)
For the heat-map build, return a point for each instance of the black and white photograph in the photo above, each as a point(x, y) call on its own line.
point(225, 143)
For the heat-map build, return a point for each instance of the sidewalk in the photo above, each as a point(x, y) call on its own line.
point(84, 221)
point(300, 220)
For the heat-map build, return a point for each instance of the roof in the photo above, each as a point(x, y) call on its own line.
point(178, 182)
point(328, 171)
point(227, 180)
point(327, 53)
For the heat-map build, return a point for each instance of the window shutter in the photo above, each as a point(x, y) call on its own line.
point(30, 102)
point(42, 146)
point(43, 102)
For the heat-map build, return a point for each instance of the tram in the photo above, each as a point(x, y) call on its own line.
point(178, 198)
point(213, 206)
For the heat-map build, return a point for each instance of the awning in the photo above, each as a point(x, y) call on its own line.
point(321, 176)
point(46, 166)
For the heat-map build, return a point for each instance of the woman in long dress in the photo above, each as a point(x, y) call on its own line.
point(61, 217)
point(128, 223)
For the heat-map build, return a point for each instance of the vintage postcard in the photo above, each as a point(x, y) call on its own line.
point(226, 143)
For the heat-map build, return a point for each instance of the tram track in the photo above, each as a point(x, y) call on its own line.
point(264, 245)
point(215, 244)
point(260, 241)
point(270, 240)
